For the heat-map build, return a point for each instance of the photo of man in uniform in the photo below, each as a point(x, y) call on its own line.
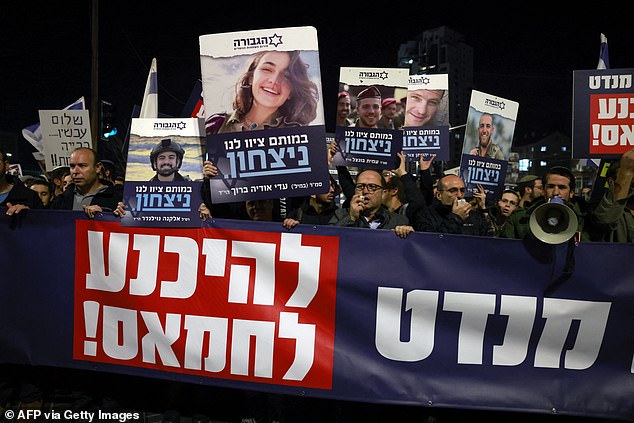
point(368, 108)
point(486, 148)
point(166, 159)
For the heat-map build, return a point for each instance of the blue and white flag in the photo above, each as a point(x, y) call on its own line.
point(33, 133)
point(604, 58)
point(149, 107)
point(604, 63)
point(591, 163)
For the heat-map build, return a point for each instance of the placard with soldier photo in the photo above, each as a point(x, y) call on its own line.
point(487, 144)
point(371, 134)
point(426, 112)
point(164, 172)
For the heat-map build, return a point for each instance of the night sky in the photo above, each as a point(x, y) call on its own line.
point(45, 53)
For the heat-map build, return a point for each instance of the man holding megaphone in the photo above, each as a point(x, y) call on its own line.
point(553, 219)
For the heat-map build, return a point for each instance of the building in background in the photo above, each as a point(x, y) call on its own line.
point(443, 50)
point(554, 149)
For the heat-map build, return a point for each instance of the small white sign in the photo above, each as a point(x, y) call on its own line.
point(62, 132)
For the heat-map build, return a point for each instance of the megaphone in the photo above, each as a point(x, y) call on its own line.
point(553, 222)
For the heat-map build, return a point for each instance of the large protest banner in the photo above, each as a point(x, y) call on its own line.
point(264, 114)
point(324, 316)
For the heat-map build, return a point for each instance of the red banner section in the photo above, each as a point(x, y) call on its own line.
point(611, 128)
point(230, 304)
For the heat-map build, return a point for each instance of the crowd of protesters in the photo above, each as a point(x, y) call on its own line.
point(398, 201)
point(380, 199)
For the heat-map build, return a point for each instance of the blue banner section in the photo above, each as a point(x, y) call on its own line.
point(431, 320)
point(426, 140)
point(271, 163)
point(162, 204)
point(376, 148)
point(487, 172)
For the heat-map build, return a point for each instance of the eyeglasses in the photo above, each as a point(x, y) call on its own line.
point(454, 190)
point(369, 187)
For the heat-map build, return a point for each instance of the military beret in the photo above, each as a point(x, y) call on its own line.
point(370, 92)
point(386, 102)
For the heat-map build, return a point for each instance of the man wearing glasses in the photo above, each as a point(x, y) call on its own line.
point(451, 213)
point(366, 208)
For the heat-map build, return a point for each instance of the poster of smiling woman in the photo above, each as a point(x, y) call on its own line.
point(264, 114)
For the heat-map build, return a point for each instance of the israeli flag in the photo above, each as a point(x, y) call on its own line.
point(149, 107)
point(604, 58)
point(33, 133)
